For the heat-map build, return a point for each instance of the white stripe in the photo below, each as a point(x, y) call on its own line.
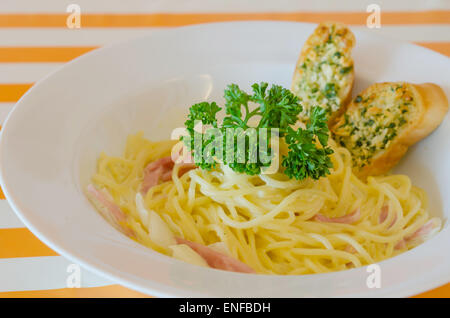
point(68, 37)
point(103, 36)
point(413, 33)
point(25, 72)
point(8, 219)
point(144, 6)
point(39, 273)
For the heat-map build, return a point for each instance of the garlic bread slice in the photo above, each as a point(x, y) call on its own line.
point(324, 73)
point(384, 120)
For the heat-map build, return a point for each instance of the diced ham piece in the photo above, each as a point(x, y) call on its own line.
point(217, 260)
point(165, 162)
point(183, 156)
point(346, 219)
point(109, 210)
point(384, 214)
point(350, 249)
point(422, 231)
point(184, 167)
point(400, 245)
point(151, 178)
point(166, 176)
point(161, 170)
point(154, 171)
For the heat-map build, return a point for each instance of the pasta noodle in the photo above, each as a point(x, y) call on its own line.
point(273, 224)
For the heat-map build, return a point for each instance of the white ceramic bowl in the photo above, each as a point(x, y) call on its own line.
point(51, 140)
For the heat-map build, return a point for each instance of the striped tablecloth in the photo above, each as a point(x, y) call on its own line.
point(35, 40)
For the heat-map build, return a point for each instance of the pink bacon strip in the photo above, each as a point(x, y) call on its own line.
point(184, 167)
point(384, 214)
point(161, 170)
point(217, 260)
point(151, 178)
point(112, 211)
point(422, 231)
point(346, 219)
point(350, 249)
point(400, 245)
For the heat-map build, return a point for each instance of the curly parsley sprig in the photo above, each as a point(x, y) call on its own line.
point(204, 113)
point(304, 158)
point(276, 108)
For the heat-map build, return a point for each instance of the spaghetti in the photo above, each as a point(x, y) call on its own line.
point(273, 224)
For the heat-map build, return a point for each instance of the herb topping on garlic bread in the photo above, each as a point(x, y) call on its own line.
point(324, 72)
point(385, 119)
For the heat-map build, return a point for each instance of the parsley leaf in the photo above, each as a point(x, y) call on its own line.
point(204, 113)
point(305, 159)
point(277, 109)
point(317, 124)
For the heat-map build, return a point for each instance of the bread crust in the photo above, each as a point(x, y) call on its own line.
point(431, 105)
point(320, 35)
point(435, 106)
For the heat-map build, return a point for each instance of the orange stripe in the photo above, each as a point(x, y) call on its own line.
point(110, 291)
point(41, 54)
point(440, 292)
point(20, 242)
point(180, 19)
point(2, 195)
point(10, 93)
point(440, 47)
